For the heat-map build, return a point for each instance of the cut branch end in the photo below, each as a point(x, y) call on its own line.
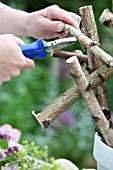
point(106, 18)
point(44, 123)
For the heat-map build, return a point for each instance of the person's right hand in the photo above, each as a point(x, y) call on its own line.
point(12, 61)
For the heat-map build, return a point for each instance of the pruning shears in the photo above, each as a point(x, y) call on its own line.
point(40, 48)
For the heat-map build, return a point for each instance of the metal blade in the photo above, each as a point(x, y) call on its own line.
point(60, 43)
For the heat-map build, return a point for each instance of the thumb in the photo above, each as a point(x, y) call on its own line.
point(58, 26)
point(55, 26)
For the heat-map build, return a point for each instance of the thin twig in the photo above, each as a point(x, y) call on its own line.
point(65, 55)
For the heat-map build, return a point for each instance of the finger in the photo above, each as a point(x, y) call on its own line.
point(69, 20)
point(19, 41)
point(55, 26)
point(67, 17)
point(29, 64)
point(59, 35)
point(51, 34)
point(75, 17)
point(25, 63)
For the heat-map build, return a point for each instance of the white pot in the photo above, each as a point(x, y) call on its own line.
point(103, 154)
point(66, 164)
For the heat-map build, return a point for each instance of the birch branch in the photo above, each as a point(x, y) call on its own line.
point(65, 55)
point(89, 25)
point(89, 44)
point(106, 18)
point(91, 101)
point(54, 109)
point(90, 29)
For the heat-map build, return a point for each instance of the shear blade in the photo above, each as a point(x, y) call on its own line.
point(60, 43)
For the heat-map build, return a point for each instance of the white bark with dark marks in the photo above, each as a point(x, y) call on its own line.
point(54, 109)
point(91, 101)
point(89, 26)
point(89, 44)
point(106, 18)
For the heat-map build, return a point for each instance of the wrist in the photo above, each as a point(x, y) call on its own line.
point(13, 21)
point(23, 25)
point(31, 28)
point(28, 26)
point(20, 23)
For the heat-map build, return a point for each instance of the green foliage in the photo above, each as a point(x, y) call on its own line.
point(112, 5)
point(3, 144)
point(22, 95)
point(30, 153)
point(9, 159)
point(31, 157)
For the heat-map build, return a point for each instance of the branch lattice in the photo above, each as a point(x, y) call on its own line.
point(101, 65)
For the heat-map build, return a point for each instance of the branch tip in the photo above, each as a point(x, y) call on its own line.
point(70, 60)
point(111, 63)
point(33, 113)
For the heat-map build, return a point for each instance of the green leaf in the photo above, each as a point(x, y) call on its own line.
point(8, 159)
point(3, 144)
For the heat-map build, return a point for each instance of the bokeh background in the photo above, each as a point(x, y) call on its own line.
point(71, 135)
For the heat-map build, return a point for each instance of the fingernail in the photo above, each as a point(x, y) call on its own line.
point(60, 27)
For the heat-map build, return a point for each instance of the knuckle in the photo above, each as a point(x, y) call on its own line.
point(8, 79)
point(10, 35)
point(51, 9)
point(30, 65)
point(55, 6)
point(78, 18)
point(22, 64)
point(9, 76)
point(16, 73)
point(33, 65)
point(53, 26)
point(5, 80)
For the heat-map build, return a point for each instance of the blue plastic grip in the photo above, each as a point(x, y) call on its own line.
point(35, 50)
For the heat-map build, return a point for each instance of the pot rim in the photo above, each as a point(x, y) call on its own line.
point(102, 153)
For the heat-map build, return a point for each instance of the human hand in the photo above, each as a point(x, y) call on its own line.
point(49, 22)
point(12, 61)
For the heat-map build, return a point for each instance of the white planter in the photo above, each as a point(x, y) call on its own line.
point(66, 164)
point(103, 154)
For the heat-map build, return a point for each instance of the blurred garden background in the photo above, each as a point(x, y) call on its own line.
point(71, 135)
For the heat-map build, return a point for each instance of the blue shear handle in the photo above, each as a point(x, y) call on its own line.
point(35, 50)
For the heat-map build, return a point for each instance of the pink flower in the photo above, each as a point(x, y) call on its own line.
point(12, 136)
point(8, 133)
point(12, 146)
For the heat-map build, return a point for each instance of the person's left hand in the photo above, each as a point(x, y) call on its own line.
point(49, 22)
